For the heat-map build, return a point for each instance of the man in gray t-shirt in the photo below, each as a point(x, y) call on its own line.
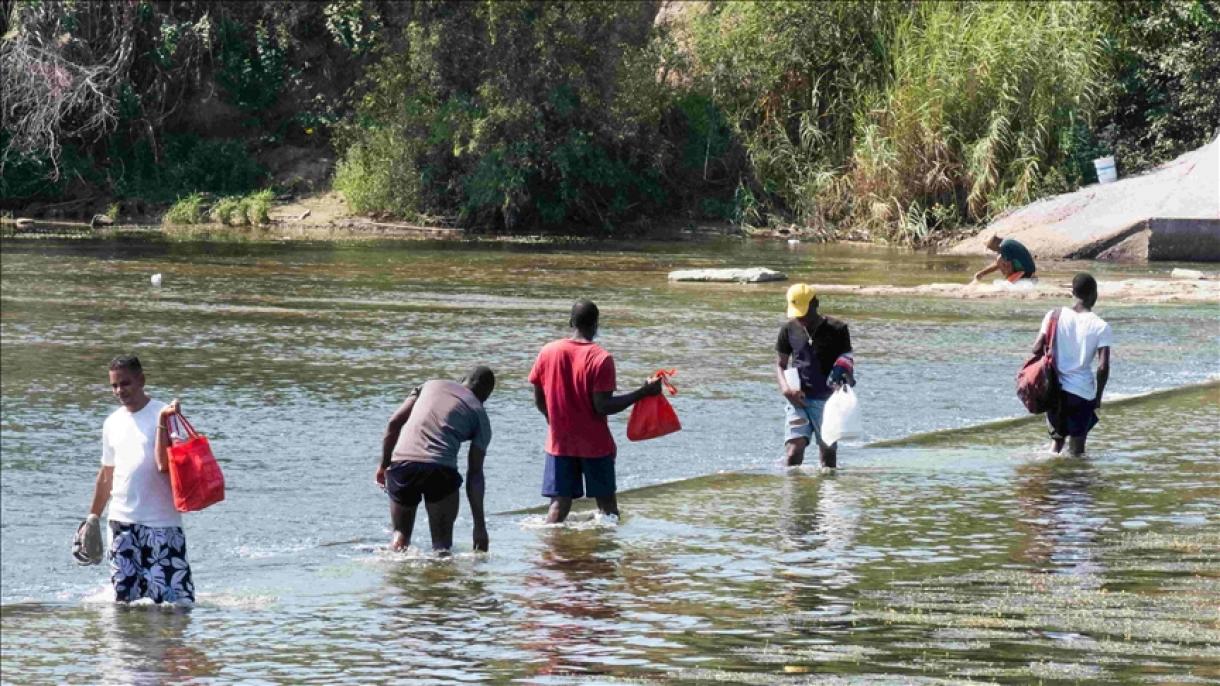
point(419, 456)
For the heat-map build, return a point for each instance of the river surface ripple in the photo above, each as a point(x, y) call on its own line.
point(976, 558)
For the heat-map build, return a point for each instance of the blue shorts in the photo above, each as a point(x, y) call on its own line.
point(562, 477)
point(1072, 416)
point(803, 422)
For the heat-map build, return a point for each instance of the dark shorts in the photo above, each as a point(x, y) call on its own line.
point(563, 476)
point(150, 562)
point(1072, 416)
point(407, 482)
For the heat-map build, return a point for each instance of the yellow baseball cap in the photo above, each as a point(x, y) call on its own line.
point(799, 297)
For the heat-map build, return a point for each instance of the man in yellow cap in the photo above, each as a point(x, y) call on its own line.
point(818, 350)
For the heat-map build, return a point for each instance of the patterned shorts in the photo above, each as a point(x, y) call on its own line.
point(149, 562)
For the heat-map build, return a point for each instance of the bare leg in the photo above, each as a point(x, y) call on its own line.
point(796, 451)
point(403, 520)
point(1056, 445)
point(441, 515)
point(829, 455)
point(560, 507)
point(608, 504)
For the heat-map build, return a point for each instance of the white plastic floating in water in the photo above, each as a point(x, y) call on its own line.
point(156, 279)
point(794, 241)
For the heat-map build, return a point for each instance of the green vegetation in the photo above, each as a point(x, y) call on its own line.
point(228, 211)
point(247, 210)
point(506, 115)
point(257, 206)
point(967, 124)
point(903, 121)
point(188, 210)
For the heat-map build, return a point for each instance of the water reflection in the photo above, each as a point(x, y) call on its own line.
point(572, 614)
point(143, 644)
point(1058, 517)
point(818, 522)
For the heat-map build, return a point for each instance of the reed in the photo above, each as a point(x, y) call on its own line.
point(971, 122)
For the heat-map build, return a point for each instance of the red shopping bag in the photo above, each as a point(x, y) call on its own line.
point(194, 474)
point(653, 417)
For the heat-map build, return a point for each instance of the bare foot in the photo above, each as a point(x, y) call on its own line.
point(398, 541)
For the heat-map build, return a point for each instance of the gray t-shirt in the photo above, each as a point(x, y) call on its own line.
point(445, 414)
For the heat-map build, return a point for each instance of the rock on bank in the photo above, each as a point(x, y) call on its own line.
point(1169, 213)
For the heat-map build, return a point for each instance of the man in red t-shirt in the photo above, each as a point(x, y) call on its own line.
point(574, 386)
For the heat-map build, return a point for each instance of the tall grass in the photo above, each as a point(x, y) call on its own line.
point(970, 123)
point(229, 211)
point(903, 118)
point(253, 209)
point(258, 206)
point(188, 210)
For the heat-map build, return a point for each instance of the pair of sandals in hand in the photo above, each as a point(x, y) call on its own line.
point(87, 543)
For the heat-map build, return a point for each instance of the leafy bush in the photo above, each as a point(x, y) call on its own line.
point(188, 210)
point(512, 116)
point(251, 74)
point(379, 174)
point(188, 164)
point(1161, 99)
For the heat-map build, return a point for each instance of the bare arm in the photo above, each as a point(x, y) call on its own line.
point(1103, 371)
point(793, 395)
point(1039, 344)
point(988, 269)
point(390, 438)
point(474, 493)
point(162, 441)
point(101, 490)
point(540, 401)
point(606, 403)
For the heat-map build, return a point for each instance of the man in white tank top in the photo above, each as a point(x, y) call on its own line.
point(1080, 336)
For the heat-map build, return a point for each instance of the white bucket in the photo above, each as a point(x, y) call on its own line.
point(1106, 172)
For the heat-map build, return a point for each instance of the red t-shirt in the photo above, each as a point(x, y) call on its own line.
point(570, 372)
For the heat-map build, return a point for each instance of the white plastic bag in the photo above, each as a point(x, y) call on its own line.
point(841, 416)
point(793, 378)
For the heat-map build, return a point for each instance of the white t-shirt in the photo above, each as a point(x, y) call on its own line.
point(1077, 338)
point(140, 494)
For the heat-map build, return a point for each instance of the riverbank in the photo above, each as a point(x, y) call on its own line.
point(1168, 290)
point(1126, 285)
point(326, 216)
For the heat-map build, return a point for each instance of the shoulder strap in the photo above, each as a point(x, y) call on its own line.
point(1050, 336)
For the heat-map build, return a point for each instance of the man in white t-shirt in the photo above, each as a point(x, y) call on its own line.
point(1080, 336)
point(148, 547)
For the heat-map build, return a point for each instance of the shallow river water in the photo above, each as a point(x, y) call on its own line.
point(970, 556)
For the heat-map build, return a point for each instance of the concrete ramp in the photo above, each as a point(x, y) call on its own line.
point(1169, 213)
